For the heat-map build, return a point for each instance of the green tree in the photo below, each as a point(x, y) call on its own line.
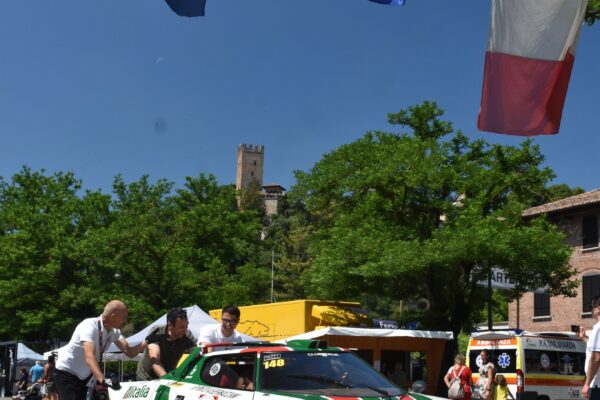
point(558, 192)
point(428, 214)
point(192, 246)
point(134, 256)
point(44, 285)
point(593, 11)
point(62, 256)
point(288, 237)
point(223, 245)
point(251, 198)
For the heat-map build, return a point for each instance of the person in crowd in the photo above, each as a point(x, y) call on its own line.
point(224, 332)
point(23, 379)
point(79, 360)
point(502, 390)
point(36, 372)
point(461, 371)
point(399, 376)
point(591, 384)
point(167, 343)
point(385, 370)
point(485, 383)
point(48, 379)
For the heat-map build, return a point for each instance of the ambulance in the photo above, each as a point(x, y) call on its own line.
point(537, 366)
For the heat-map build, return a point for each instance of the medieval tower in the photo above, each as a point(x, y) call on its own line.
point(250, 161)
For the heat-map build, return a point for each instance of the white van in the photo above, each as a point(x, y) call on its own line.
point(538, 366)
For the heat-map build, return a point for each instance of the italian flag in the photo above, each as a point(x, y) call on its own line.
point(528, 63)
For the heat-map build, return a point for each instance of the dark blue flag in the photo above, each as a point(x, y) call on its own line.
point(187, 8)
point(390, 2)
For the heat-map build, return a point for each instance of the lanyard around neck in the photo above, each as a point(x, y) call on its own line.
point(101, 342)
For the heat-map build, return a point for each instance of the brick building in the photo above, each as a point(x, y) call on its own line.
point(577, 217)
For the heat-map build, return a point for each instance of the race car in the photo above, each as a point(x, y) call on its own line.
point(305, 369)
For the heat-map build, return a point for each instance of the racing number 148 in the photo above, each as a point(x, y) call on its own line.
point(274, 363)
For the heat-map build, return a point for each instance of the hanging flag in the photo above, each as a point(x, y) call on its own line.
point(528, 63)
point(187, 8)
point(390, 2)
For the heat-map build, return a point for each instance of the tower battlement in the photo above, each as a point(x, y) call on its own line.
point(251, 148)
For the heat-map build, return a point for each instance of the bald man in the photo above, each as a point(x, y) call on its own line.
point(79, 359)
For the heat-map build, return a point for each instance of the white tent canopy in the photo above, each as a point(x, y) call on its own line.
point(26, 356)
point(371, 332)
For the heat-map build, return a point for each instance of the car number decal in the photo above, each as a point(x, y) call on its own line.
point(274, 363)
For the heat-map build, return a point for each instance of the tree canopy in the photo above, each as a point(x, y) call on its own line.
point(428, 214)
point(63, 255)
point(593, 11)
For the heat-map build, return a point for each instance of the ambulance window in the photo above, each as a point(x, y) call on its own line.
point(541, 361)
point(571, 363)
point(505, 360)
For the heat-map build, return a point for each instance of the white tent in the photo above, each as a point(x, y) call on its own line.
point(371, 332)
point(26, 356)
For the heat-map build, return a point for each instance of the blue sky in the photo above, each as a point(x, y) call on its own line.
point(113, 86)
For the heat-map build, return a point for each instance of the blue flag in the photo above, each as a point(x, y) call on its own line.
point(390, 2)
point(187, 8)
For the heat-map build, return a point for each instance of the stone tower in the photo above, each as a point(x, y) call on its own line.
point(250, 160)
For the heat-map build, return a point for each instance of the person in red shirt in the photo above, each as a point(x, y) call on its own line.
point(460, 370)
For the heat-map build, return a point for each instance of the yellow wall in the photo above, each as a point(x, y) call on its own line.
point(275, 321)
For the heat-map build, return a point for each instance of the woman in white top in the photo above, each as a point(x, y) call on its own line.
point(485, 383)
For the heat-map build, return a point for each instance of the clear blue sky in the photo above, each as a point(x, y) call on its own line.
point(126, 86)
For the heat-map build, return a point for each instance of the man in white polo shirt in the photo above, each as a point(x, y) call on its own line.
point(225, 331)
point(78, 360)
point(591, 387)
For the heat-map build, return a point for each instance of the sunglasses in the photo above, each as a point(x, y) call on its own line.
point(230, 321)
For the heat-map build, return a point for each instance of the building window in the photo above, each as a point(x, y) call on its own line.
point(541, 304)
point(591, 290)
point(255, 163)
point(589, 232)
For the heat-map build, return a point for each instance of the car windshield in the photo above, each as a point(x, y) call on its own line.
point(327, 373)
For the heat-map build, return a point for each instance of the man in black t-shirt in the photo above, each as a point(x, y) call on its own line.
point(167, 343)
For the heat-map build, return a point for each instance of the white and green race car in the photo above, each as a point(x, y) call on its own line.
point(301, 369)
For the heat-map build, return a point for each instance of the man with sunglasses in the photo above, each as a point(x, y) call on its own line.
point(225, 331)
point(166, 345)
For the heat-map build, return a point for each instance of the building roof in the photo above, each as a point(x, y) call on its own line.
point(583, 199)
point(273, 186)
